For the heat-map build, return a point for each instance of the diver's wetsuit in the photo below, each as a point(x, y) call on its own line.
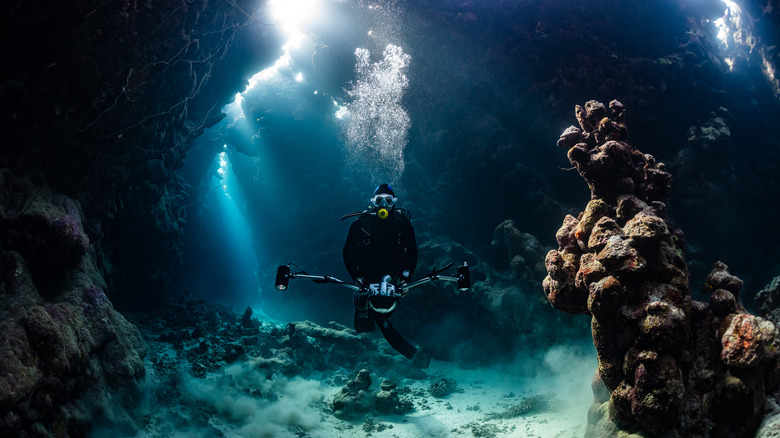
point(377, 247)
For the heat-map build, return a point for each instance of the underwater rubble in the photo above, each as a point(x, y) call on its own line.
point(668, 364)
point(444, 387)
point(201, 340)
point(527, 405)
point(356, 398)
point(209, 336)
point(211, 370)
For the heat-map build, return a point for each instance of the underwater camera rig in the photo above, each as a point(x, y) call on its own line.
point(381, 298)
point(385, 288)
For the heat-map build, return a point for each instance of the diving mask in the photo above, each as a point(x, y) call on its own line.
point(384, 200)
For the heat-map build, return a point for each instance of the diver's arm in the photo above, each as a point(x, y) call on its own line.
point(350, 252)
point(410, 250)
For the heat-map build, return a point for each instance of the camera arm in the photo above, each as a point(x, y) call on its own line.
point(283, 276)
point(463, 279)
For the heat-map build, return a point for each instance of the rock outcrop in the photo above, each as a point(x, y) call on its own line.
point(108, 107)
point(768, 301)
point(667, 363)
point(68, 360)
point(356, 398)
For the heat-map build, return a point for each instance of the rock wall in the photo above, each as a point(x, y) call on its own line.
point(68, 360)
point(99, 104)
point(105, 100)
point(667, 363)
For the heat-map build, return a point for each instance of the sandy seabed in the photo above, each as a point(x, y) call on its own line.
point(482, 395)
point(485, 392)
point(542, 394)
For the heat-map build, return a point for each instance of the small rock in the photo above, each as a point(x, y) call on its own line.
point(444, 387)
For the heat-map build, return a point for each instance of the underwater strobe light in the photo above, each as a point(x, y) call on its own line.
point(282, 277)
point(464, 277)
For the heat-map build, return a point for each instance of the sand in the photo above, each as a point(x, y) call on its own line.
point(471, 411)
point(192, 393)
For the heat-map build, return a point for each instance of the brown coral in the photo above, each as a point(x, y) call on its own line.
point(670, 364)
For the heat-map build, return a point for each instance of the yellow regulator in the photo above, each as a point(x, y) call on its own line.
point(383, 213)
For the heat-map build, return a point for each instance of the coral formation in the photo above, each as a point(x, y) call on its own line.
point(210, 336)
point(705, 174)
point(308, 379)
point(524, 252)
point(768, 301)
point(67, 358)
point(193, 344)
point(356, 398)
point(444, 387)
point(667, 363)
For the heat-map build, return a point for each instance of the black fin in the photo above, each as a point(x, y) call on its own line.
point(363, 325)
point(395, 339)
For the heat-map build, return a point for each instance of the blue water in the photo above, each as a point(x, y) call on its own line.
point(443, 102)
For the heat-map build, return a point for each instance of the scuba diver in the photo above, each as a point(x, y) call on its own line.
point(380, 254)
point(381, 249)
